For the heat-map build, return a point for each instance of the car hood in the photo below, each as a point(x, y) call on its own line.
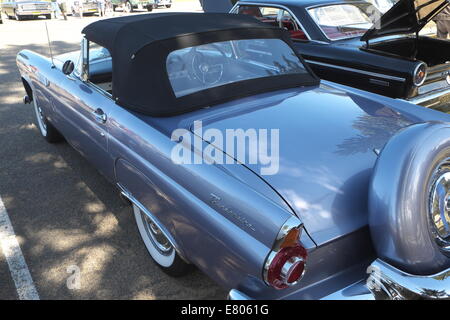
point(406, 16)
point(328, 144)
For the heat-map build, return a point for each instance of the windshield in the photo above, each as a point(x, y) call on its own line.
point(207, 66)
point(343, 21)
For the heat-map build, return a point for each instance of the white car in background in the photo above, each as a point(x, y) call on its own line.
point(86, 7)
point(163, 3)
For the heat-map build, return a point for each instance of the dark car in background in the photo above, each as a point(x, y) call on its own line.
point(351, 42)
point(21, 9)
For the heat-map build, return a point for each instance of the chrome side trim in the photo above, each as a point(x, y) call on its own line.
point(155, 220)
point(271, 5)
point(372, 74)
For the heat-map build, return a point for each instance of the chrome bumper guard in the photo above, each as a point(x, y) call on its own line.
point(387, 283)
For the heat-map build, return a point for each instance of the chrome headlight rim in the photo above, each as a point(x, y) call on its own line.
point(416, 70)
point(439, 205)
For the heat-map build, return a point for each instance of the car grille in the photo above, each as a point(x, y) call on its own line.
point(35, 7)
point(90, 5)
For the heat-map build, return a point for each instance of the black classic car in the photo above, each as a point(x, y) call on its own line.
point(351, 42)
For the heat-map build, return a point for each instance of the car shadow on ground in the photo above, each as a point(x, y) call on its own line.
point(67, 217)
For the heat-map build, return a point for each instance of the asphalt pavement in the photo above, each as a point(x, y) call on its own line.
point(68, 220)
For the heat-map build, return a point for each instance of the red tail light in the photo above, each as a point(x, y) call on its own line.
point(286, 264)
point(420, 74)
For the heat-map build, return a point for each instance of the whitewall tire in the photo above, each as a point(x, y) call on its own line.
point(159, 247)
point(47, 130)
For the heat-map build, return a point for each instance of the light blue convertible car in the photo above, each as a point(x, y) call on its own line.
point(239, 161)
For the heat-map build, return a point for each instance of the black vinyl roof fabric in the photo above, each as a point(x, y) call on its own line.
point(137, 31)
point(139, 46)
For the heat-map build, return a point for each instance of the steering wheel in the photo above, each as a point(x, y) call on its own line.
point(206, 71)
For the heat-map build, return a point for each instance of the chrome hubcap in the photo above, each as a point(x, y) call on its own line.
point(156, 235)
point(440, 204)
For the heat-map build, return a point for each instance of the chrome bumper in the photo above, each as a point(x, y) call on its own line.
point(33, 12)
point(431, 98)
point(387, 283)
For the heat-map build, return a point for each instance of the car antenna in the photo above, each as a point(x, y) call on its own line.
point(50, 46)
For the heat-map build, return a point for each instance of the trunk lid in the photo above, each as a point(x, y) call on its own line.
point(405, 17)
point(326, 145)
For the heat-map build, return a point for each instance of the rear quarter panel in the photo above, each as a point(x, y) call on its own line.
point(382, 74)
point(229, 240)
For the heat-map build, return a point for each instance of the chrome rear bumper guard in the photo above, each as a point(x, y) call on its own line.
point(386, 282)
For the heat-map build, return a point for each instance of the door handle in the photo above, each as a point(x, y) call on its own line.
point(100, 116)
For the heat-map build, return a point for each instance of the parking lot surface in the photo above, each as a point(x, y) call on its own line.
point(66, 216)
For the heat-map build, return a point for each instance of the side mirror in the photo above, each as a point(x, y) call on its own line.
point(68, 67)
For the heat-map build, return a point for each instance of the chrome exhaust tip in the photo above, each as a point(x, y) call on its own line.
point(26, 99)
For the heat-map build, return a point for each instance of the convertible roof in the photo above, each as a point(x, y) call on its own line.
point(135, 32)
point(139, 46)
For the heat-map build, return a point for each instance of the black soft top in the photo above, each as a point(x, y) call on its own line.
point(139, 46)
point(135, 32)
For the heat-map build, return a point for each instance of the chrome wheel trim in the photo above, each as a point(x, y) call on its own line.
point(161, 242)
point(439, 205)
point(128, 7)
point(40, 118)
point(165, 257)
